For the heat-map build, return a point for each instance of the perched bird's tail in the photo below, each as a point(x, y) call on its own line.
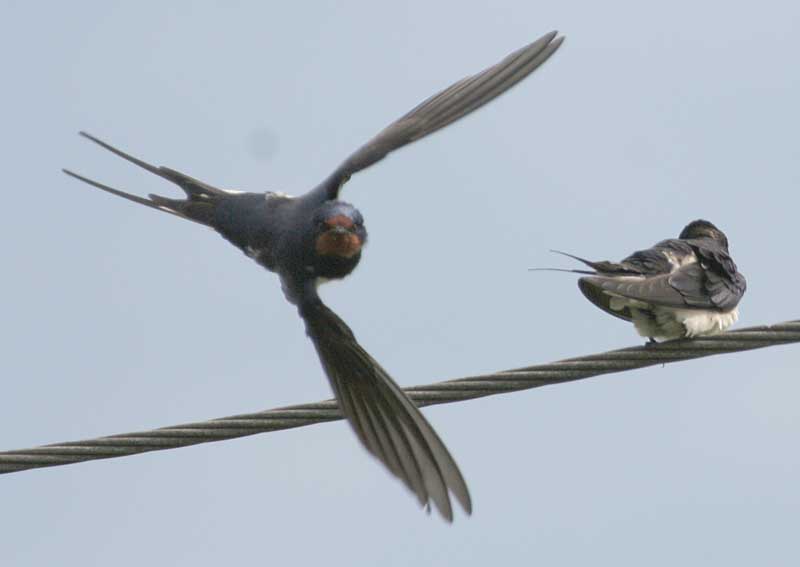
point(386, 421)
point(598, 268)
point(586, 272)
point(201, 198)
point(591, 284)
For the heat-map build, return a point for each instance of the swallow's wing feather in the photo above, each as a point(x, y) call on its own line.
point(442, 109)
point(388, 424)
point(656, 260)
point(724, 283)
point(691, 283)
point(593, 291)
point(692, 286)
point(726, 292)
point(680, 289)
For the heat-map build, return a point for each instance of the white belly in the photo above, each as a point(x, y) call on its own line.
point(699, 322)
point(670, 323)
point(674, 323)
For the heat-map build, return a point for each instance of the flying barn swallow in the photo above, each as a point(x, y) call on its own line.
point(682, 287)
point(315, 237)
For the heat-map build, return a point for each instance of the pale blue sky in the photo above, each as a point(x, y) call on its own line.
point(119, 319)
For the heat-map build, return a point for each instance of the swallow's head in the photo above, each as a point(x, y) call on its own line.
point(704, 229)
point(339, 232)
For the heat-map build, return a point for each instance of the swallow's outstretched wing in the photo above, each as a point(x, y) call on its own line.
point(455, 102)
point(385, 420)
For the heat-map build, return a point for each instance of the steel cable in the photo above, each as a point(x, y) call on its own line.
point(439, 393)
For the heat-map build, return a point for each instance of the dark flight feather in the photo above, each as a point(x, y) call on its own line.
point(436, 112)
point(388, 424)
point(280, 233)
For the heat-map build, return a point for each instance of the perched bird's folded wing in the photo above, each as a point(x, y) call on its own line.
point(591, 289)
point(388, 424)
point(683, 288)
point(656, 260)
point(442, 109)
point(724, 284)
point(691, 283)
point(725, 290)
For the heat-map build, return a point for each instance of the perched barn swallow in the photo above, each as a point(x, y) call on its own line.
point(682, 287)
point(315, 237)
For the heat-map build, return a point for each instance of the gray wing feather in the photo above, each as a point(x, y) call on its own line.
point(654, 260)
point(724, 283)
point(690, 287)
point(681, 289)
point(442, 109)
point(591, 289)
point(690, 283)
point(724, 293)
point(387, 423)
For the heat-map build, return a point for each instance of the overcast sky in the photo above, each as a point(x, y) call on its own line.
point(117, 318)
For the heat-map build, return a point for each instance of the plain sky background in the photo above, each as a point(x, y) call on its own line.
point(117, 319)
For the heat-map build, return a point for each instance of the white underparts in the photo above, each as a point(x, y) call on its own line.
point(673, 323)
point(701, 322)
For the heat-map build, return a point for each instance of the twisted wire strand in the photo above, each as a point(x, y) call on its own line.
point(439, 393)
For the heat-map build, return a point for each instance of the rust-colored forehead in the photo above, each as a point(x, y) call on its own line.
point(339, 220)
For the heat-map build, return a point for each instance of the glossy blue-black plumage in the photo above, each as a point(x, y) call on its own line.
point(315, 237)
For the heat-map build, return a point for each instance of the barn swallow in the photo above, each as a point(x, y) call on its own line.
point(313, 238)
point(680, 288)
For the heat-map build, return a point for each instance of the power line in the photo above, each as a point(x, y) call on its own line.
point(439, 393)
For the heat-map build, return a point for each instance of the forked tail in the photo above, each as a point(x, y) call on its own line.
point(201, 198)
